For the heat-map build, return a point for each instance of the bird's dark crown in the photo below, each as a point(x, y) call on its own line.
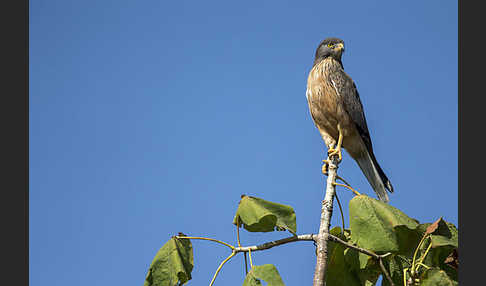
point(331, 40)
point(323, 50)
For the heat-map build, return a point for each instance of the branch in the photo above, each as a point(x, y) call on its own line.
point(385, 273)
point(326, 213)
point(368, 252)
point(270, 244)
point(357, 248)
point(308, 237)
point(294, 238)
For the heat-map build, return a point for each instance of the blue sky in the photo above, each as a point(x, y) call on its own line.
point(149, 118)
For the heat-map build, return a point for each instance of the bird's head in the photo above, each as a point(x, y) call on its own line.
point(330, 47)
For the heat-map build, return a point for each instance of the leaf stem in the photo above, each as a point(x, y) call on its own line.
point(421, 264)
point(421, 260)
point(221, 266)
point(239, 244)
point(341, 211)
point(347, 186)
point(405, 270)
point(412, 270)
point(206, 238)
point(251, 262)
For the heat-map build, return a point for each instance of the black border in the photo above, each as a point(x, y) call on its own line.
point(14, 208)
point(471, 170)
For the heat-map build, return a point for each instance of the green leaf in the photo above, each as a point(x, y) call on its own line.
point(436, 277)
point(339, 271)
point(379, 227)
point(408, 239)
point(258, 215)
point(437, 256)
point(394, 264)
point(370, 274)
point(266, 272)
point(351, 257)
point(173, 263)
point(363, 260)
point(445, 234)
point(347, 266)
point(444, 239)
point(250, 280)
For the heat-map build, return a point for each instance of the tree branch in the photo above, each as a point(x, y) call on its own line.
point(326, 213)
point(294, 238)
point(385, 273)
point(378, 257)
point(270, 244)
point(357, 248)
point(307, 237)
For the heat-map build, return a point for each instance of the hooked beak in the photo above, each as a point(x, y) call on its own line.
point(340, 47)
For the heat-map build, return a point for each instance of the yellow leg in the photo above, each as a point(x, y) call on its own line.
point(337, 150)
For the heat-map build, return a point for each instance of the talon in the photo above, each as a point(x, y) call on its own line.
point(337, 151)
point(325, 166)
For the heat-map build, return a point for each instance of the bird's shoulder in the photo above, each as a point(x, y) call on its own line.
point(349, 95)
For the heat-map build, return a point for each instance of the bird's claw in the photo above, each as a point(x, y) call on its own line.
point(331, 152)
point(325, 166)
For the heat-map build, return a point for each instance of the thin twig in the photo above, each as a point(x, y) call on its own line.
point(341, 211)
point(357, 248)
point(206, 238)
point(344, 181)
point(346, 186)
point(239, 244)
point(324, 171)
point(220, 266)
point(383, 269)
point(337, 198)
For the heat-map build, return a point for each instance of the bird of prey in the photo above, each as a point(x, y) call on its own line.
point(338, 114)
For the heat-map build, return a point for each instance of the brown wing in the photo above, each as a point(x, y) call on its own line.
point(349, 96)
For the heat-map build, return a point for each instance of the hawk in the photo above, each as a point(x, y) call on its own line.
point(337, 112)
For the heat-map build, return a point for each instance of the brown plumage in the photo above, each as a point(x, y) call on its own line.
point(335, 106)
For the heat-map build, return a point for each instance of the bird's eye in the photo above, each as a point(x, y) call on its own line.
point(330, 45)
